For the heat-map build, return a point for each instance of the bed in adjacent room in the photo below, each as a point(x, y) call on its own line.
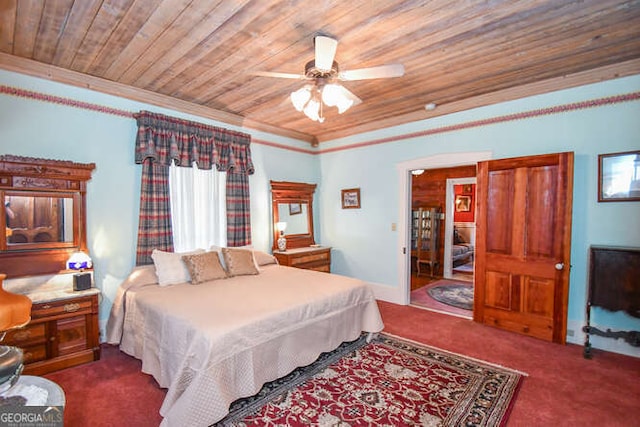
point(216, 341)
point(461, 251)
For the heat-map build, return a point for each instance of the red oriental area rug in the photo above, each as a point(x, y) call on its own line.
point(388, 381)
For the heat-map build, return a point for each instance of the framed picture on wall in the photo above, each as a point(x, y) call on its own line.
point(619, 177)
point(466, 188)
point(351, 198)
point(295, 208)
point(463, 203)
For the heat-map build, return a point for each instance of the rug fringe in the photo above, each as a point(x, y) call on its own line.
point(495, 365)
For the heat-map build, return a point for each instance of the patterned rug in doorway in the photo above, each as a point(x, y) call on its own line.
point(456, 294)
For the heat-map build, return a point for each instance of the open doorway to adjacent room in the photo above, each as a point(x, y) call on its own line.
point(442, 226)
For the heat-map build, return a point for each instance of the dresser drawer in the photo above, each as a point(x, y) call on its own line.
point(318, 259)
point(34, 353)
point(311, 258)
point(326, 268)
point(61, 307)
point(33, 333)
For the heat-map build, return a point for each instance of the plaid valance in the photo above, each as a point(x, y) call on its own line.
point(164, 139)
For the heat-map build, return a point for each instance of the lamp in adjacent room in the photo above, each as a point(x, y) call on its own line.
point(15, 312)
point(282, 241)
point(80, 261)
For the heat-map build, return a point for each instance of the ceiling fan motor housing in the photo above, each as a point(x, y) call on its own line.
point(312, 72)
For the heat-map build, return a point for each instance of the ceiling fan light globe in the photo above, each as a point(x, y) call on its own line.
point(312, 110)
point(331, 95)
point(300, 97)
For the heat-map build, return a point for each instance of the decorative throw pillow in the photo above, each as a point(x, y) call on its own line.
point(170, 268)
point(239, 262)
point(204, 267)
point(263, 258)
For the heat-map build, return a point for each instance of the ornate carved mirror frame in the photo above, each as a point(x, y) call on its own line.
point(55, 231)
point(299, 198)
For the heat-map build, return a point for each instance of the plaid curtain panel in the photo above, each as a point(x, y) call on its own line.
point(154, 229)
point(238, 208)
point(162, 140)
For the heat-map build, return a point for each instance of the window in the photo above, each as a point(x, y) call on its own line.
point(198, 207)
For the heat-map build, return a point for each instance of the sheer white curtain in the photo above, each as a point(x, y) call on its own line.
point(198, 208)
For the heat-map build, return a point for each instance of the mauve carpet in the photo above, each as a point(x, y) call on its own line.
point(562, 389)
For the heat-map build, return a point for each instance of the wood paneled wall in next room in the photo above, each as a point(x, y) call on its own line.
point(430, 189)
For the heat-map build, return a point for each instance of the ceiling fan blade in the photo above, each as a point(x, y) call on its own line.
point(351, 95)
point(278, 75)
point(379, 72)
point(325, 52)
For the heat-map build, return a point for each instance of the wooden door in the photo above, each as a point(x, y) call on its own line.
point(524, 243)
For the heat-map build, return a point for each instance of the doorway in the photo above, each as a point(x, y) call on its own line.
point(442, 228)
point(401, 294)
point(460, 229)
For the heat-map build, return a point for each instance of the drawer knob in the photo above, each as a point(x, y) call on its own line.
point(70, 308)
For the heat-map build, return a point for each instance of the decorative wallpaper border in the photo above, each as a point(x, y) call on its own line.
point(29, 94)
point(564, 108)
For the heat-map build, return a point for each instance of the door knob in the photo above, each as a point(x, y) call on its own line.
point(560, 266)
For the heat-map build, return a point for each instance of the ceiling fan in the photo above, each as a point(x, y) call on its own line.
point(324, 73)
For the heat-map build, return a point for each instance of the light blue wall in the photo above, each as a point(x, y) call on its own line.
point(364, 245)
point(42, 129)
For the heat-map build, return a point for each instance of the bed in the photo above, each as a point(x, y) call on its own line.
point(212, 343)
point(461, 251)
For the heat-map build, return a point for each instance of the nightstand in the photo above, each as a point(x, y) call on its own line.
point(63, 331)
point(310, 258)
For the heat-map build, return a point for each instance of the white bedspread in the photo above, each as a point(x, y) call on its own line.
point(213, 343)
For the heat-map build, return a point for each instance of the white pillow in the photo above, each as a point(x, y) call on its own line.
point(170, 268)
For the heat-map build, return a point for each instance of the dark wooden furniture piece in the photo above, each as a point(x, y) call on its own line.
point(44, 223)
point(62, 333)
point(299, 225)
point(614, 285)
point(425, 234)
point(318, 259)
point(49, 220)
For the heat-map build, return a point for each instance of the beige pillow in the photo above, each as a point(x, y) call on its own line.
point(239, 262)
point(204, 267)
point(263, 258)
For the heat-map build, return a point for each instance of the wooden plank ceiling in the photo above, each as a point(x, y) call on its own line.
point(204, 52)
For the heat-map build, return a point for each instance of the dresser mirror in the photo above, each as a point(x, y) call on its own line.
point(38, 220)
point(296, 215)
point(292, 203)
point(44, 214)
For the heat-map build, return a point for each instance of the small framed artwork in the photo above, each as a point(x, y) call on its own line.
point(619, 177)
point(466, 188)
point(463, 203)
point(295, 208)
point(351, 198)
